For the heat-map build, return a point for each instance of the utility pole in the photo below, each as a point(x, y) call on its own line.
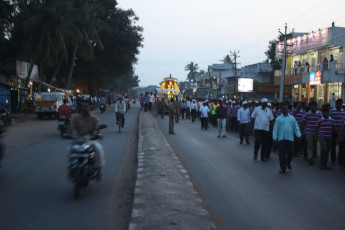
point(282, 78)
point(235, 56)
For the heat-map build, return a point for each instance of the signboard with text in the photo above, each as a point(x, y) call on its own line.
point(315, 78)
point(245, 85)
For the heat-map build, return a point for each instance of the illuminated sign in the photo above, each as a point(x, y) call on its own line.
point(315, 78)
point(245, 85)
point(305, 42)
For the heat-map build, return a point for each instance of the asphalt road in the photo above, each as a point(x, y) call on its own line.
point(35, 192)
point(241, 193)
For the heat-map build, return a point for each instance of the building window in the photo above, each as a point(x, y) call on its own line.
point(334, 87)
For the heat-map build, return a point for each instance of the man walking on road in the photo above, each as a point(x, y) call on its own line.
point(204, 110)
point(243, 117)
point(221, 118)
point(193, 107)
point(161, 108)
point(285, 128)
point(263, 119)
point(171, 106)
point(308, 128)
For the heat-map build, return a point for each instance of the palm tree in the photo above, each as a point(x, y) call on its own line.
point(85, 18)
point(193, 69)
point(41, 24)
point(227, 60)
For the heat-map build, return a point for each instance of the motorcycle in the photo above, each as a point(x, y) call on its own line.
point(102, 108)
point(82, 168)
point(63, 125)
point(2, 130)
point(5, 117)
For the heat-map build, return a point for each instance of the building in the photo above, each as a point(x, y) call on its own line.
point(223, 78)
point(311, 74)
point(261, 84)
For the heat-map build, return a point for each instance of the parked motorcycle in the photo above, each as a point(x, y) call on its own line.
point(2, 130)
point(63, 125)
point(82, 168)
point(5, 117)
point(102, 108)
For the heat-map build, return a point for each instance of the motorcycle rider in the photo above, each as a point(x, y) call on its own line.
point(102, 101)
point(65, 110)
point(2, 130)
point(120, 107)
point(86, 124)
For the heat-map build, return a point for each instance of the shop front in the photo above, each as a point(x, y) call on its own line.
point(317, 87)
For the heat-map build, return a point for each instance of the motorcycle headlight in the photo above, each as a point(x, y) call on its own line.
point(80, 148)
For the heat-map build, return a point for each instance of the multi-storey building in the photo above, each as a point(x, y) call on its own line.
point(315, 67)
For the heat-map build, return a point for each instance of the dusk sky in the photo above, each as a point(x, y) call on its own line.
point(203, 31)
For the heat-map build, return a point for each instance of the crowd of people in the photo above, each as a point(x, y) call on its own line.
point(293, 130)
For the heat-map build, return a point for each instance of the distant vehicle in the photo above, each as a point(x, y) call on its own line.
point(47, 103)
point(86, 97)
point(205, 93)
point(188, 93)
point(169, 88)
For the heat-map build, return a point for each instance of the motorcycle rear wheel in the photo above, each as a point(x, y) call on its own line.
point(78, 183)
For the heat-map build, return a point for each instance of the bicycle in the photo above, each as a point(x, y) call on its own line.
point(121, 122)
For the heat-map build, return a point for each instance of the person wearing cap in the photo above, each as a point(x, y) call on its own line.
point(188, 109)
point(221, 118)
point(204, 110)
point(262, 118)
point(194, 108)
point(243, 118)
point(284, 130)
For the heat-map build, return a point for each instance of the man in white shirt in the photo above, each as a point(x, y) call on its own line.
point(263, 118)
point(204, 110)
point(188, 109)
point(194, 108)
point(243, 118)
point(152, 101)
point(120, 110)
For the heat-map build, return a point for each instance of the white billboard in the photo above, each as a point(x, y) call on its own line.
point(245, 85)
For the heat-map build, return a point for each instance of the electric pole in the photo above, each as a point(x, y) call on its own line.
point(235, 56)
point(282, 78)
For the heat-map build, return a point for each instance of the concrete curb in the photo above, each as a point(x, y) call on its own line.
point(164, 197)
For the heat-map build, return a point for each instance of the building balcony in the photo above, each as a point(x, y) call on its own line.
point(331, 66)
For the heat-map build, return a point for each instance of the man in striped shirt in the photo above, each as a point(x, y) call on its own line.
point(298, 113)
point(325, 127)
point(308, 128)
point(338, 114)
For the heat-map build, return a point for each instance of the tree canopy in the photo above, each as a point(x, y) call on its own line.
point(271, 55)
point(193, 70)
point(75, 43)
